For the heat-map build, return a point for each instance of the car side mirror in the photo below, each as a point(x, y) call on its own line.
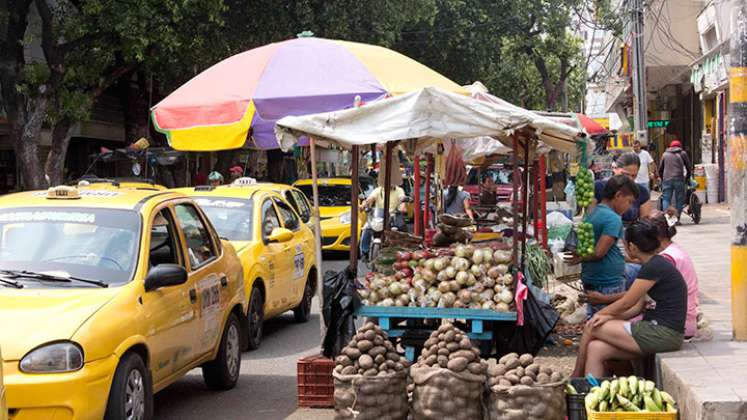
point(164, 275)
point(280, 235)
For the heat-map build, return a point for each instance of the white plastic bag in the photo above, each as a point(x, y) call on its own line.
point(558, 225)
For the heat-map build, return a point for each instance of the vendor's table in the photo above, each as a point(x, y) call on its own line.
point(416, 331)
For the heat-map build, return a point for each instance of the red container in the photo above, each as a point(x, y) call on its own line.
point(316, 388)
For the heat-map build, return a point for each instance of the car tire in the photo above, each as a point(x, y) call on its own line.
point(255, 318)
point(223, 372)
point(302, 312)
point(131, 393)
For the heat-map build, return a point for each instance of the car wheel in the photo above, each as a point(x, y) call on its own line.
point(223, 372)
point(131, 394)
point(302, 312)
point(255, 318)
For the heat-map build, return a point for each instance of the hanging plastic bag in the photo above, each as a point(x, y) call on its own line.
point(539, 320)
point(340, 302)
point(558, 225)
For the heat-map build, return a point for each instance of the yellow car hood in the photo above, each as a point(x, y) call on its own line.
point(327, 212)
point(29, 318)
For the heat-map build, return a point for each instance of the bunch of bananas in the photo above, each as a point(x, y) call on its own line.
point(629, 394)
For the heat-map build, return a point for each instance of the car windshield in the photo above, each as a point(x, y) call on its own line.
point(90, 243)
point(499, 175)
point(329, 195)
point(231, 217)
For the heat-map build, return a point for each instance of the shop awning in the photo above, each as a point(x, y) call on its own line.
point(426, 114)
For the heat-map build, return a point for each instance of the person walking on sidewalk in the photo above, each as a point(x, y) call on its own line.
point(628, 164)
point(647, 168)
point(674, 171)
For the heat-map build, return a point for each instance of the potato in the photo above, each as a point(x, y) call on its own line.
point(378, 340)
point(526, 359)
point(431, 360)
point(512, 363)
point(430, 342)
point(379, 359)
point(352, 352)
point(506, 358)
point(452, 346)
point(504, 382)
point(449, 335)
point(476, 368)
point(513, 378)
point(465, 344)
point(365, 345)
point(546, 370)
point(556, 377)
point(366, 361)
point(388, 345)
point(359, 336)
point(446, 326)
point(463, 353)
point(519, 371)
point(496, 370)
point(457, 364)
point(443, 361)
point(370, 372)
point(533, 368)
point(338, 368)
point(392, 356)
point(543, 378)
point(348, 370)
point(526, 380)
point(377, 351)
point(369, 335)
point(443, 352)
point(441, 344)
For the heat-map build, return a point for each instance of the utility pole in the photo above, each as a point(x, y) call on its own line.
point(640, 115)
point(737, 174)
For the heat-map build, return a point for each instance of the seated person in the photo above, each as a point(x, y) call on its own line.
point(677, 256)
point(609, 335)
point(487, 191)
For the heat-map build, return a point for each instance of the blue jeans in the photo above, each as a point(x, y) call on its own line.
point(366, 237)
point(631, 272)
point(605, 290)
point(676, 187)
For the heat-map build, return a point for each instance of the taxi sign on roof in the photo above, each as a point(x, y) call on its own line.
point(63, 192)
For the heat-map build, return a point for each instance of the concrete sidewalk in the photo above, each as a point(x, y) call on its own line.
point(709, 379)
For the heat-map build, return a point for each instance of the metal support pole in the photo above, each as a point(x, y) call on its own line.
point(427, 209)
point(355, 156)
point(387, 182)
point(416, 197)
point(640, 115)
point(525, 204)
point(543, 199)
point(737, 187)
point(317, 233)
point(515, 203)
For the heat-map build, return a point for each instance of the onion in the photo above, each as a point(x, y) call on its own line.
point(395, 289)
point(476, 270)
point(469, 250)
point(471, 280)
point(460, 251)
point(475, 297)
point(506, 296)
point(439, 264)
point(494, 272)
point(403, 300)
point(449, 297)
point(501, 307)
point(508, 279)
point(451, 272)
point(502, 268)
point(405, 285)
point(465, 296)
point(478, 288)
point(498, 288)
point(475, 305)
point(477, 257)
point(487, 295)
point(387, 302)
point(441, 276)
point(488, 305)
point(429, 264)
point(428, 275)
point(502, 257)
point(460, 263)
point(364, 294)
point(420, 284)
point(487, 255)
point(459, 304)
point(488, 282)
point(462, 278)
point(443, 287)
point(454, 286)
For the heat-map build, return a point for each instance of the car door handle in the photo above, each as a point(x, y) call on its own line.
point(192, 295)
point(223, 281)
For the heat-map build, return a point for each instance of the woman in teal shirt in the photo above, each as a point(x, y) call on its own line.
point(602, 271)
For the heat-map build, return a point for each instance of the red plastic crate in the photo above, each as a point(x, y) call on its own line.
point(316, 387)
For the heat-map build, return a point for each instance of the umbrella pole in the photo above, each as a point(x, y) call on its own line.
point(543, 200)
point(387, 183)
point(427, 203)
point(317, 234)
point(515, 202)
point(354, 209)
point(416, 196)
point(525, 190)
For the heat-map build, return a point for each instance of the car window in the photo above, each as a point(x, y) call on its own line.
point(270, 219)
point(290, 220)
point(231, 217)
point(163, 248)
point(329, 195)
point(296, 200)
point(199, 241)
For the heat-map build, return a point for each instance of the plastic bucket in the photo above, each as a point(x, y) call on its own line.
point(701, 181)
point(576, 409)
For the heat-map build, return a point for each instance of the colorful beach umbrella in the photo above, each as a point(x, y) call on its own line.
point(216, 109)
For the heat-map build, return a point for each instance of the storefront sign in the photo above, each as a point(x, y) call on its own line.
point(658, 123)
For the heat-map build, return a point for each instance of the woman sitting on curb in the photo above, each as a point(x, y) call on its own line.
point(676, 255)
point(609, 335)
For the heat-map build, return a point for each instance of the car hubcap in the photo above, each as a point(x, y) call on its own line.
point(135, 396)
point(232, 350)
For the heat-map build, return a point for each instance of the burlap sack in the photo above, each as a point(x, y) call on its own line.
point(371, 397)
point(522, 402)
point(441, 394)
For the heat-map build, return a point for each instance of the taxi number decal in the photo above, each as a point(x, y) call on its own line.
point(48, 216)
point(209, 291)
point(298, 263)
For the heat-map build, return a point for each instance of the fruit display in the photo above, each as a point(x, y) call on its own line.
point(463, 276)
point(627, 394)
point(523, 389)
point(449, 377)
point(370, 378)
point(584, 187)
point(585, 234)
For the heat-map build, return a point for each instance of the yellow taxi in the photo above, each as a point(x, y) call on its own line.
point(109, 183)
point(109, 295)
point(275, 247)
point(3, 404)
point(335, 208)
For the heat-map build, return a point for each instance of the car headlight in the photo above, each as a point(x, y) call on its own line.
point(53, 358)
point(345, 218)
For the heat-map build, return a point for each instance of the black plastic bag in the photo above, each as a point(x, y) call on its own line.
point(539, 320)
point(340, 302)
point(571, 241)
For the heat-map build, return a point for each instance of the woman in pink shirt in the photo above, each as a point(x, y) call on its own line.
point(680, 258)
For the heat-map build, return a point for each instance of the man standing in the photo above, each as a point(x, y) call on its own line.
point(674, 170)
point(648, 166)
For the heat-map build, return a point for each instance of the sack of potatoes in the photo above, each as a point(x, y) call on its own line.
point(370, 378)
point(449, 377)
point(521, 389)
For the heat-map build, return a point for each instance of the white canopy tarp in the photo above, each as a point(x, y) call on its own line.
point(425, 114)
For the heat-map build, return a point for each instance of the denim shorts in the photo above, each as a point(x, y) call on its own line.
point(605, 290)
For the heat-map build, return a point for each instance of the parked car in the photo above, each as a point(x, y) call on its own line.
point(275, 247)
point(107, 296)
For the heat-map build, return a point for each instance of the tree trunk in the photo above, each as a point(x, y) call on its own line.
point(55, 165)
point(25, 136)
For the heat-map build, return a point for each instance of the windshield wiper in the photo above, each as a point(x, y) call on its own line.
point(50, 277)
point(12, 283)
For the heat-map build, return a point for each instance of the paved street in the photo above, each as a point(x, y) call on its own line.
point(267, 388)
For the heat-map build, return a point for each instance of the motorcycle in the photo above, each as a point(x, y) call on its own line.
point(693, 205)
point(375, 222)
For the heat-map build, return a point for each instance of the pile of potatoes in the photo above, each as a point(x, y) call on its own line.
point(513, 369)
point(370, 378)
point(449, 377)
point(521, 389)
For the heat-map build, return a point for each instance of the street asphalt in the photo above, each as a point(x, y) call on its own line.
point(267, 387)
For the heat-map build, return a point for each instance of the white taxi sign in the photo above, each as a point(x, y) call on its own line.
point(63, 192)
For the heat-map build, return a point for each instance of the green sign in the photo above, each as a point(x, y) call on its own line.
point(658, 123)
